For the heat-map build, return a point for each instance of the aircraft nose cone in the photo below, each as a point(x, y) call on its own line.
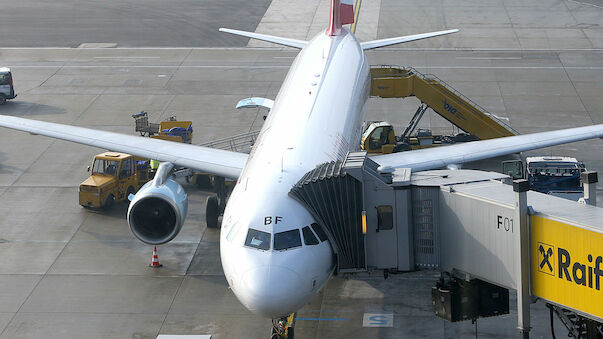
point(272, 291)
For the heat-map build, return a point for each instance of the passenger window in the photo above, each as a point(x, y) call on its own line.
point(309, 237)
point(319, 231)
point(286, 240)
point(258, 239)
point(385, 217)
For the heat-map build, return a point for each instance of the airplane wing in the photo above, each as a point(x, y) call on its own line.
point(443, 156)
point(224, 163)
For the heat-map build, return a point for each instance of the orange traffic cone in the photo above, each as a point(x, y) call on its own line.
point(155, 263)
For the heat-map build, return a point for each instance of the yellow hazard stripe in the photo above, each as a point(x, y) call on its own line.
point(356, 11)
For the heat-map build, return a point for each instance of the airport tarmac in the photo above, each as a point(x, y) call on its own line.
point(67, 272)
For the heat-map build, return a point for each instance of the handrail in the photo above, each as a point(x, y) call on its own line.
point(433, 77)
point(241, 143)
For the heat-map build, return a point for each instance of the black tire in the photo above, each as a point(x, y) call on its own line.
point(2, 100)
point(109, 202)
point(203, 181)
point(211, 212)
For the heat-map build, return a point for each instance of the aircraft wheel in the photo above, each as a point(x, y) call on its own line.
point(211, 212)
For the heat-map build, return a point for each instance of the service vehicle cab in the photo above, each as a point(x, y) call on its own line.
point(7, 90)
point(558, 176)
point(113, 177)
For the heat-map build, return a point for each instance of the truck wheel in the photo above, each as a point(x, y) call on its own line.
point(2, 99)
point(109, 202)
point(211, 212)
point(203, 181)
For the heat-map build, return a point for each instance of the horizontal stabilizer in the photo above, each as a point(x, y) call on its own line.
point(392, 41)
point(270, 38)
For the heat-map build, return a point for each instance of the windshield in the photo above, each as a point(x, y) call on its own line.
point(4, 79)
point(286, 240)
point(108, 167)
point(258, 239)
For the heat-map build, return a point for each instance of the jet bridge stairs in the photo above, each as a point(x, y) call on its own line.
point(474, 227)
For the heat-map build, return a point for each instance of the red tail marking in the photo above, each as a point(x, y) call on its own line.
point(341, 14)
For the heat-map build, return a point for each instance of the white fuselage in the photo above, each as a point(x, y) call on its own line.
point(316, 118)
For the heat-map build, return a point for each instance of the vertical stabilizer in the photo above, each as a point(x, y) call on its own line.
point(342, 13)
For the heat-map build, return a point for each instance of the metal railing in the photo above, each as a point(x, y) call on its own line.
point(434, 78)
point(241, 143)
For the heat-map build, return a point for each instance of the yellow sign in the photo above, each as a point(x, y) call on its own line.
point(567, 265)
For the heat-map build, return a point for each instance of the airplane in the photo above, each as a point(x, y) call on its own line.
point(276, 257)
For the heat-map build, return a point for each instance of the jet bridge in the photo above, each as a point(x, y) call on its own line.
point(471, 224)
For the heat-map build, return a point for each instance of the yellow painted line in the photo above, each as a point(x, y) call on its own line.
point(356, 11)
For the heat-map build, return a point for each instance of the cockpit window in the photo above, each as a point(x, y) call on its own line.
point(309, 237)
point(258, 239)
point(233, 231)
point(286, 240)
point(319, 231)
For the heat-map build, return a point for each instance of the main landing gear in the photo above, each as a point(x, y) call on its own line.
point(215, 204)
point(283, 328)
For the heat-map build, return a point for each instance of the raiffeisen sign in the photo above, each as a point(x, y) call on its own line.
point(567, 265)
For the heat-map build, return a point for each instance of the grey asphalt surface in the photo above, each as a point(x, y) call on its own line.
point(128, 23)
point(67, 272)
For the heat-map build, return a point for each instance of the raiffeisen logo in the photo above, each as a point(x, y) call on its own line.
point(588, 273)
point(582, 274)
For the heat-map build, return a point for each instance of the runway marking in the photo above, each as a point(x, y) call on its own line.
point(390, 49)
point(490, 58)
point(323, 319)
point(289, 66)
point(127, 57)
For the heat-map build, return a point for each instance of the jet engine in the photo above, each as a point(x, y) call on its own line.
point(157, 212)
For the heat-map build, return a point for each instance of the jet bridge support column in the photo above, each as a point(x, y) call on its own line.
point(589, 181)
point(520, 187)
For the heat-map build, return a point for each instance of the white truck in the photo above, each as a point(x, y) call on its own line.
point(558, 176)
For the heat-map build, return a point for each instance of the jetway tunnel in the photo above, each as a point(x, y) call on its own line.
point(470, 224)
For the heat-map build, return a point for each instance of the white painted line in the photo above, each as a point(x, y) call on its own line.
point(98, 45)
point(490, 58)
point(389, 49)
point(127, 57)
point(288, 66)
point(169, 336)
point(378, 320)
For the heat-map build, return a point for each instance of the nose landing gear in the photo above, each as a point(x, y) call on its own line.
point(283, 328)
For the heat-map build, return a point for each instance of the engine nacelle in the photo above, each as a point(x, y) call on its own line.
point(157, 212)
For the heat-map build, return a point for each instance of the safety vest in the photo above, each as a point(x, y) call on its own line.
point(154, 164)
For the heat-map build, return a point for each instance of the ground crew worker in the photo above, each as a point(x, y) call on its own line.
point(154, 165)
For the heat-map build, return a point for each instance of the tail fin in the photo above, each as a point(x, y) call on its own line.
point(342, 13)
